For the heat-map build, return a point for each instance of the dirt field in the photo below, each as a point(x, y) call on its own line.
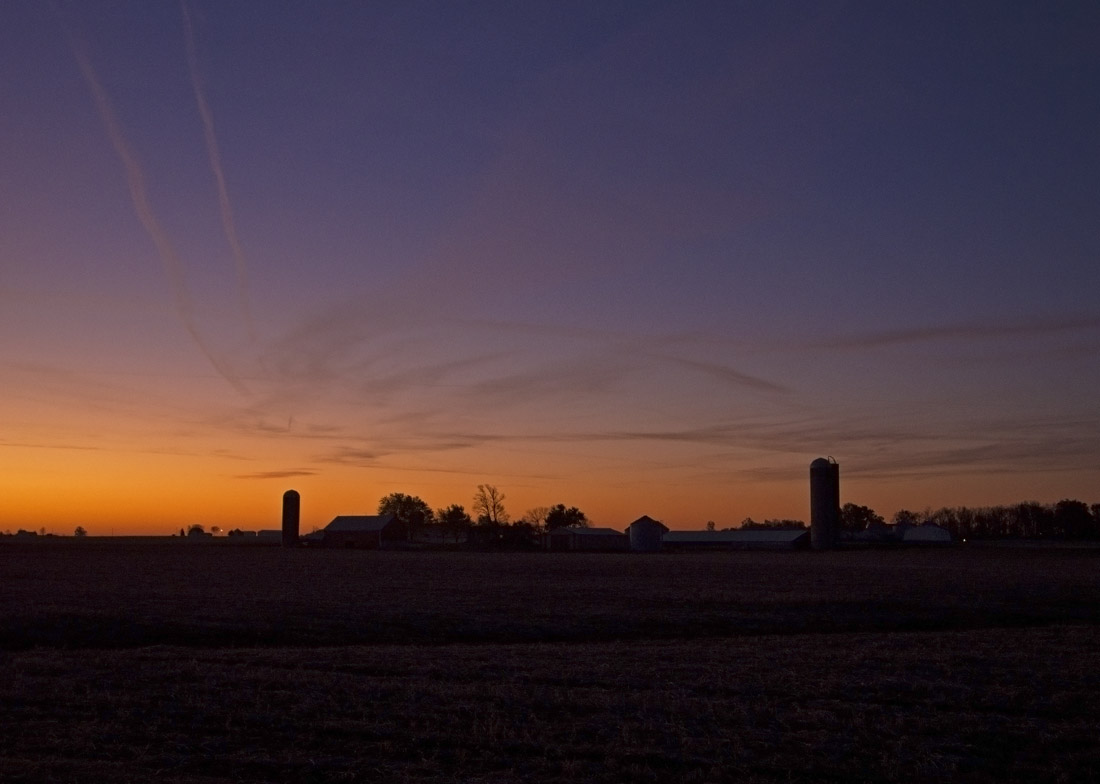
point(183, 663)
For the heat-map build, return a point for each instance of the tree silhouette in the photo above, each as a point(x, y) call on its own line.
point(1072, 520)
point(489, 506)
point(854, 517)
point(778, 525)
point(411, 512)
point(454, 521)
point(905, 517)
point(80, 531)
point(560, 517)
point(536, 517)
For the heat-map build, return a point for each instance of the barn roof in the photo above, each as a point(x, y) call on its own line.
point(929, 532)
point(647, 520)
point(761, 535)
point(359, 523)
point(583, 531)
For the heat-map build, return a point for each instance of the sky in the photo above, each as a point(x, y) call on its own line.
point(635, 257)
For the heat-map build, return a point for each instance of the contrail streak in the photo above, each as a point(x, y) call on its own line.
point(135, 178)
point(228, 224)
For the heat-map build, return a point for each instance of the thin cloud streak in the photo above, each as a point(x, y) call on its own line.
point(277, 474)
point(214, 154)
point(1037, 327)
point(135, 179)
point(727, 374)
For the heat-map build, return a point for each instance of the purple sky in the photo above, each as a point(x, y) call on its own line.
point(638, 257)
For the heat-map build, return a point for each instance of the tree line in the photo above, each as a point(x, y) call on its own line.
point(487, 522)
point(1066, 520)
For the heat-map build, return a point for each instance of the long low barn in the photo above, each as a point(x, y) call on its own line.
point(364, 531)
point(580, 539)
point(739, 539)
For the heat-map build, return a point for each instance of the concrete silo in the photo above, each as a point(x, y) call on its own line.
point(824, 503)
point(291, 510)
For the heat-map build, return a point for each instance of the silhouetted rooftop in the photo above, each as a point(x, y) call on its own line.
point(361, 523)
point(738, 535)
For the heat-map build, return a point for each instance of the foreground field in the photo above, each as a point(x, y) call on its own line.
point(213, 664)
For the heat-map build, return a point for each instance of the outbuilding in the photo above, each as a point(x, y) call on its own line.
point(645, 534)
point(929, 533)
point(738, 539)
point(575, 538)
point(364, 531)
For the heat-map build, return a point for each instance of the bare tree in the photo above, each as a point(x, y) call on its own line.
point(489, 505)
point(536, 517)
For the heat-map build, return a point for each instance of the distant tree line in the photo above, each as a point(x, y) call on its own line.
point(778, 525)
point(489, 525)
point(1065, 520)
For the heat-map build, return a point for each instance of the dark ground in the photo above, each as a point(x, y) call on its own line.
point(183, 663)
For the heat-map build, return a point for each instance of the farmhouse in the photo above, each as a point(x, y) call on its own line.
point(365, 531)
point(577, 538)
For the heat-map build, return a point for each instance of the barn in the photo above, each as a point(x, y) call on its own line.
point(646, 534)
point(737, 539)
point(574, 538)
point(929, 533)
point(364, 531)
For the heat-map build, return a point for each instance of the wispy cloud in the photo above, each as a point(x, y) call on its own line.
point(1034, 327)
point(727, 374)
point(277, 474)
point(135, 179)
point(229, 226)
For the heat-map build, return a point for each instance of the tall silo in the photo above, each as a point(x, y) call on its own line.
point(824, 503)
point(291, 509)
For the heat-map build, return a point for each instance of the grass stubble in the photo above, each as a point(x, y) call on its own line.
point(176, 663)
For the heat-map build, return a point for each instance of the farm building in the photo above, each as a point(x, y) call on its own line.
point(366, 531)
point(929, 533)
point(645, 534)
point(738, 539)
point(580, 539)
point(902, 533)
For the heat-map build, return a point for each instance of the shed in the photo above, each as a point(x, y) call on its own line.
point(645, 534)
point(929, 533)
point(738, 539)
point(366, 531)
point(577, 538)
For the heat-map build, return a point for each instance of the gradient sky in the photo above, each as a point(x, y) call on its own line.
point(638, 257)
